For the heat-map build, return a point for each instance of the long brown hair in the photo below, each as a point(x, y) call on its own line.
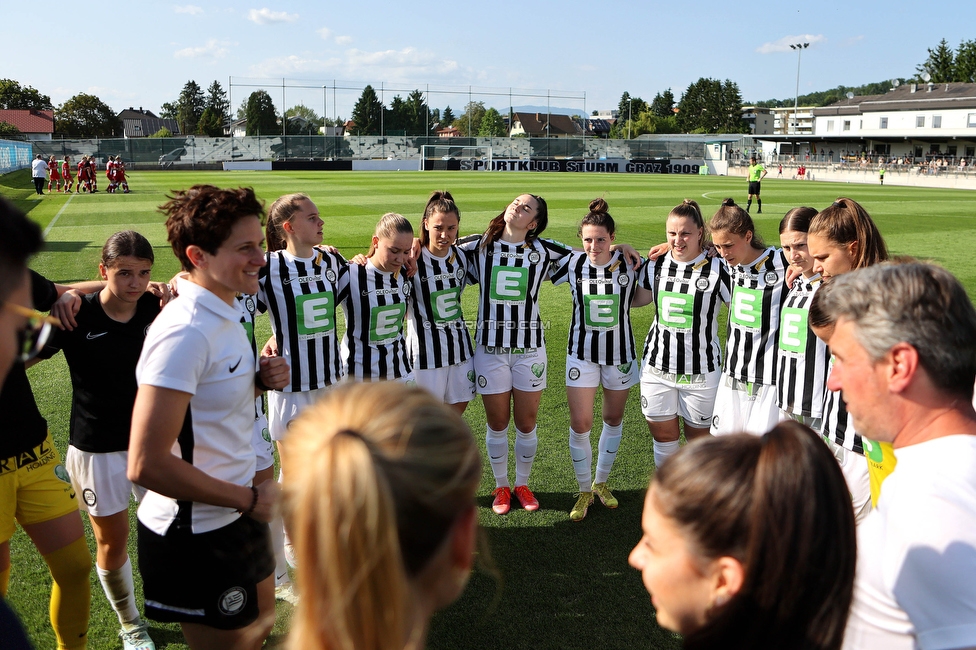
point(845, 221)
point(733, 219)
point(689, 209)
point(280, 213)
point(442, 202)
point(386, 471)
point(779, 505)
point(497, 225)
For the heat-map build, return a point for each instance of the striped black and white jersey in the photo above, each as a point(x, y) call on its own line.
point(511, 276)
point(688, 297)
point(374, 346)
point(600, 330)
point(838, 425)
point(437, 334)
point(758, 292)
point(301, 296)
point(803, 358)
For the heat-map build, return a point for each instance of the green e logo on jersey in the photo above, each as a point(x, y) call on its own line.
point(509, 284)
point(746, 309)
point(676, 310)
point(601, 311)
point(793, 330)
point(872, 450)
point(385, 321)
point(445, 305)
point(315, 313)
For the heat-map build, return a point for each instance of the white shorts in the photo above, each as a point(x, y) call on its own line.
point(285, 407)
point(742, 407)
point(452, 384)
point(100, 481)
point(855, 469)
point(261, 441)
point(501, 369)
point(814, 423)
point(666, 395)
point(586, 374)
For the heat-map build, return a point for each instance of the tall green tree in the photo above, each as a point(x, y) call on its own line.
point(711, 106)
point(417, 114)
point(260, 114)
point(663, 104)
point(215, 113)
point(189, 107)
point(15, 96)
point(468, 122)
point(168, 111)
point(85, 116)
point(630, 107)
point(395, 118)
point(940, 64)
point(447, 118)
point(966, 62)
point(367, 113)
point(492, 125)
point(6, 128)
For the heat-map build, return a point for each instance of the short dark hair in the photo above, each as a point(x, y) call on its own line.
point(126, 243)
point(19, 239)
point(204, 216)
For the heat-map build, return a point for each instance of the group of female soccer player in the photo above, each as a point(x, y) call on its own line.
point(61, 180)
point(402, 306)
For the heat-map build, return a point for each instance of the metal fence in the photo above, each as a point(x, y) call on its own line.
point(198, 151)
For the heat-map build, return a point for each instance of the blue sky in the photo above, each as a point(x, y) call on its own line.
point(142, 53)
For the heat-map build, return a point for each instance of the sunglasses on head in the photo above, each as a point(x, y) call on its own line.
point(34, 334)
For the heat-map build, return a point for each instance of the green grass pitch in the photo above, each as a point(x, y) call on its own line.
point(556, 584)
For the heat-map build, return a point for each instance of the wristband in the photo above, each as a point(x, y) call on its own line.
point(254, 502)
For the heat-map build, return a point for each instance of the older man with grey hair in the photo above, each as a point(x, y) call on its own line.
point(904, 343)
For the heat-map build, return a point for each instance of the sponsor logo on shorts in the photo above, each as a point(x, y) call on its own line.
point(538, 369)
point(471, 376)
point(574, 374)
point(643, 402)
point(266, 434)
point(715, 422)
point(624, 368)
point(482, 381)
point(62, 473)
point(232, 601)
point(89, 496)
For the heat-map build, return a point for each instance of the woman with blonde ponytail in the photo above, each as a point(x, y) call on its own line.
point(382, 515)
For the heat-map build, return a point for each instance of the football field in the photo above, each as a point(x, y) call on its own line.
point(546, 582)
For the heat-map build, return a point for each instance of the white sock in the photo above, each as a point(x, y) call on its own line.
point(278, 546)
point(663, 450)
point(525, 447)
point(285, 540)
point(607, 450)
point(581, 453)
point(497, 444)
point(120, 592)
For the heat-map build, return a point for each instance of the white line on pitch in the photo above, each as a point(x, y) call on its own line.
point(55, 219)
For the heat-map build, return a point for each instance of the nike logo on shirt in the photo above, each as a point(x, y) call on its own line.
point(92, 337)
point(234, 367)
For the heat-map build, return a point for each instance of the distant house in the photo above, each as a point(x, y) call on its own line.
point(598, 126)
point(34, 124)
point(238, 128)
point(542, 125)
point(448, 132)
point(349, 127)
point(140, 123)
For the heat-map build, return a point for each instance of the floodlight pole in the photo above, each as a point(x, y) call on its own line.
point(630, 113)
point(799, 47)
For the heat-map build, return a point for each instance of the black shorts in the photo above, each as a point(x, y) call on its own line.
point(753, 187)
point(209, 578)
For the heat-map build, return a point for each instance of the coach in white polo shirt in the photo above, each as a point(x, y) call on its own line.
point(905, 358)
point(204, 543)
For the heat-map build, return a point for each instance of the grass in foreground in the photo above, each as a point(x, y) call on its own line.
point(559, 584)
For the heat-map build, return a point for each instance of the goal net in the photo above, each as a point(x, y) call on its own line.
point(445, 156)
